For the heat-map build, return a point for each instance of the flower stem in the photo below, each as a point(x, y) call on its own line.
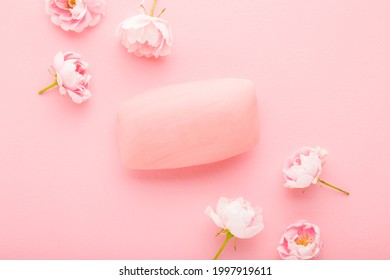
point(228, 236)
point(161, 12)
point(48, 87)
point(143, 8)
point(153, 7)
point(333, 187)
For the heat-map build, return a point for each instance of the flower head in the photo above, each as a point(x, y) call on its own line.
point(146, 35)
point(304, 167)
point(71, 76)
point(236, 218)
point(300, 241)
point(75, 15)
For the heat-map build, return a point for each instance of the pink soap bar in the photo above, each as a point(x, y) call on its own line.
point(188, 124)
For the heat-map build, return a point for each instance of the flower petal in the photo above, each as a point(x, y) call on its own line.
point(217, 220)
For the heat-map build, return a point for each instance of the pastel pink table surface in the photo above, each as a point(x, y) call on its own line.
point(321, 70)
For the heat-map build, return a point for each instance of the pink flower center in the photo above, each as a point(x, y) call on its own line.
point(303, 240)
point(71, 3)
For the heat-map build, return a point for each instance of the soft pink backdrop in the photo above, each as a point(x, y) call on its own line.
point(322, 74)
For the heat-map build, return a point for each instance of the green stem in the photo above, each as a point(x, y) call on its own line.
point(153, 7)
point(48, 87)
point(161, 12)
point(333, 187)
point(228, 236)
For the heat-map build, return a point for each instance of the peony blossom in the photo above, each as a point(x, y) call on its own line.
point(75, 15)
point(300, 241)
point(304, 168)
point(236, 218)
point(146, 35)
point(71, 76)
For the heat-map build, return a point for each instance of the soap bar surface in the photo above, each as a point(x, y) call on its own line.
point(188, 124)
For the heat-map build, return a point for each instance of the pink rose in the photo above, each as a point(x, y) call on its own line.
point(304, 167)
point(146, 35)
point(71, 76)
point(300, 241)
point(236, 218)
point(75, 15)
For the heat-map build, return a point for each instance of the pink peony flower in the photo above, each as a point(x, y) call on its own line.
point(304, 168)
point(146, 35)
point(236, 218)
point(75, 15)
point(70, 76)
point(300, 241)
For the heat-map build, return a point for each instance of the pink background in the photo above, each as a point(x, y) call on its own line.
point(322, 74)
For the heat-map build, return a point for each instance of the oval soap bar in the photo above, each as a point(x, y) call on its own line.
point(188, 124)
